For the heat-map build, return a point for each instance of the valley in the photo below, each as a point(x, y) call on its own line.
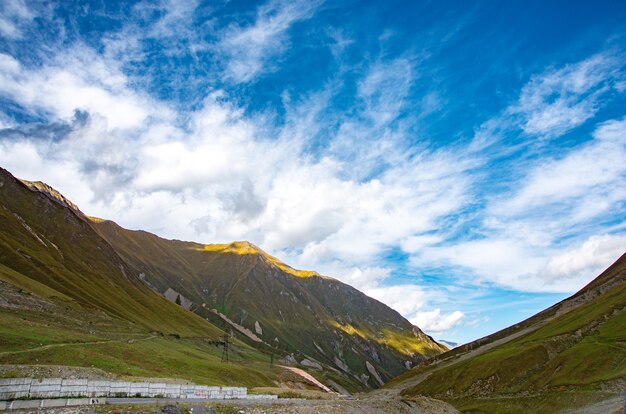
point(82, 297)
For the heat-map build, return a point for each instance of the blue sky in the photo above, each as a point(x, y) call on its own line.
point(463, 163)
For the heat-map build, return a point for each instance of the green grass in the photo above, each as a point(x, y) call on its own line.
point(58, 332)
point(19, 334)
point(159, 358)
point(67, 298)
point(545, 403)
point(289, 393)
point(61, 255)
point(525, 364)
point(564, 363)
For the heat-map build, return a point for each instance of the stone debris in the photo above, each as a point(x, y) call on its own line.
point(171, 409)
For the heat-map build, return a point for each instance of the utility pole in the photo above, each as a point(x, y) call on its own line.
point(224, 343)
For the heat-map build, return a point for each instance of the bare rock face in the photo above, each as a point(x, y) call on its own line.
point(173, 296)
point(289, 360)
point(341, 365)
point(257, 328)
point(372, 370)
point(311, 364)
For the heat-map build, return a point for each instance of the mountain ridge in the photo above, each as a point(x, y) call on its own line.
point(247, 271)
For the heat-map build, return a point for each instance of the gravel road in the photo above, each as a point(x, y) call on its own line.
point(281, 406)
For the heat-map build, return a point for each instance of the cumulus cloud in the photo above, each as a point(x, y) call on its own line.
point(221, 177)
point(435, 321)
point(406, 299)
point(413, 302)
point(588, 258)
point(78, 80)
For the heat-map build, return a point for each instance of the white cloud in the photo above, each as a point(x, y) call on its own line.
point(556, 198)
point(516, 264)
point(9, 65)
point(250, 49)
point(230, 180)
point(178, 14)
point(559, 100)
point(434, 321)
point(411, 301)
point(570, 195)
point(384, 89)
point(590, 258)
point(495, 259)
point(78, 80)
point(375, 122)
point(559, 193)
point(406, 299)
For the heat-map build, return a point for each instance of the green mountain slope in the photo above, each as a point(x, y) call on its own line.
point(571, 355)
point(317, 319)
point(67, 298)
point(101, 299)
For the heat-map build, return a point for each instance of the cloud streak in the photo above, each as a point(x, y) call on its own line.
point(555, 102)
point(248, 50)
point(14, 15)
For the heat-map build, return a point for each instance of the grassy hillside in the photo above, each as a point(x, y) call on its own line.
point(102, 302)
point(570, 355)
point(293, 311)
point(67, 298)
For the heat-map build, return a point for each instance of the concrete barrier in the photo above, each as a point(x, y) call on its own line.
point(16, 388)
